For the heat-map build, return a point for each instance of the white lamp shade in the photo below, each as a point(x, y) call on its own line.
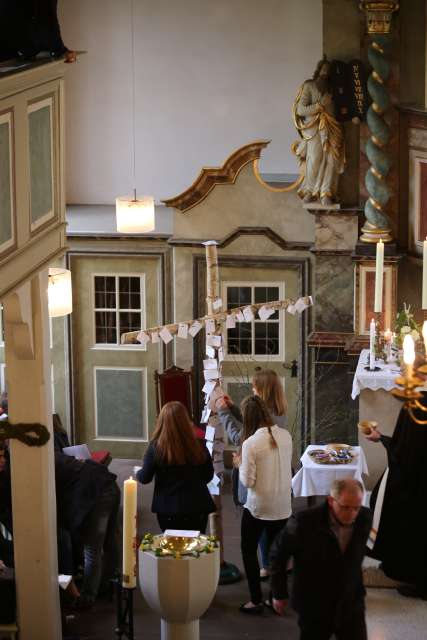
point(59, 292)
point(135, 216)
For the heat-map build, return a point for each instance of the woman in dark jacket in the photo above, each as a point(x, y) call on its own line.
point(182, 467)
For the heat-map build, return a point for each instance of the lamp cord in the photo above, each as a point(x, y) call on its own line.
point(133, 97)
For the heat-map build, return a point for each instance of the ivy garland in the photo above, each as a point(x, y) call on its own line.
point(31, 434)
point(150, 543)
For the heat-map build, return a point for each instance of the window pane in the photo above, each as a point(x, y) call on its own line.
point(105, 326)
point(239, 340)
point(238, 296)
point(267, 294)
point(129, 322)
point(266, 338)
point(100, 300)
point(135, 301)
point(124, 300)
point(135, 285)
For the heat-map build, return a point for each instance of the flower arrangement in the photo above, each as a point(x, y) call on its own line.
point(405, 324)
point(177, 547)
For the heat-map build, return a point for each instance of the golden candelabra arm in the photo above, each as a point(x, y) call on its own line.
point(411, 413)
point(417, 405)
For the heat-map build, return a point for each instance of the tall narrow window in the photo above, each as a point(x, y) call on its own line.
point(118, 306)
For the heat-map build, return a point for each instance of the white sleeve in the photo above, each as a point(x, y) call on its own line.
point(247, 470)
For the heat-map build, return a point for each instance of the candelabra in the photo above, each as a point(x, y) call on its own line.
point(407, 392)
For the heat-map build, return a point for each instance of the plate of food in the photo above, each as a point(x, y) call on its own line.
point(337, 446)
point(331, 456)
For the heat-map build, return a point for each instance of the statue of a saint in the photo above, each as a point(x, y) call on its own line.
point(322, 142)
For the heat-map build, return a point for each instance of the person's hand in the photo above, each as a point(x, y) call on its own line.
point(237, 459)
point(223, 402)
point(326, 100)
point(280, 606)
point(374, 436)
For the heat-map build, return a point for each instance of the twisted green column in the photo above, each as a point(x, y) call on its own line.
point(377, 223)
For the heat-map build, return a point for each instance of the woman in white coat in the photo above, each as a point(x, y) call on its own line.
point(266, 471)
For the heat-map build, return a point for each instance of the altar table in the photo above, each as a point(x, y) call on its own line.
point(315, 479)
point(375, 380)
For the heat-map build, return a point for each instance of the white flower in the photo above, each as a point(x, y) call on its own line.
point(415, 334)
point(405, 329)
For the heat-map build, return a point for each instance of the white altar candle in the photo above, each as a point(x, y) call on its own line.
point(129, 533)
point(372, 345)
point(409, 354)
point(425, 335)
point(424, 298)
point(388, 335)
point(379, 268)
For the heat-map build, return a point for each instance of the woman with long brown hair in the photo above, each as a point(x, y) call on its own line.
point(181, 466)
point(265, 470)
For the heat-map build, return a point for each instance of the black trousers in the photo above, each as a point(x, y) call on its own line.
point(191, 521)
point(251, 531)
point(352, 628)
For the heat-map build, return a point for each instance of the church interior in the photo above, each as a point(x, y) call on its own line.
point(283, 146)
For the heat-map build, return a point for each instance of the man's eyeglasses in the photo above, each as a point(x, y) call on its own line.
point(345, 507)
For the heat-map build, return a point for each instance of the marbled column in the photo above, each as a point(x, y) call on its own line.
point(334, 413)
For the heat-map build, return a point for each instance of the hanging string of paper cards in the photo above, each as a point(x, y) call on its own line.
point(231, 317)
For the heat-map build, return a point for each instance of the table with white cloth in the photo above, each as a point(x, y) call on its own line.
point(376, 403)
point(315, 479)
point(374, 380)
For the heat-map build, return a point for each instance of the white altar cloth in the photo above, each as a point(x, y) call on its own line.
point(383, 379)
point(315, 479)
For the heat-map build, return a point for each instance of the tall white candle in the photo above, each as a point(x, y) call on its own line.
point(424, 298)
point(129, 533)
point(379, 268)
point(372, 345)
point(425, 335)
point(409, 355)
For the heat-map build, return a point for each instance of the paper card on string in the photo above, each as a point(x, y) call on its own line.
point(182, 330)
point(209, 446)
point(210, 325)
point(216, 480)
point(248, 314)
point(214, 341)
point(213, 489)
point(210, 433)
point(311, 299)
point(220, 354)
point(230, 321)
point(195, 328)
point(205, 415)
point(264, 313)
point(240, 317)
point(143, 338)
point(300, 305)
point(291, 309)
point(211, 374)
point(217, 304)
point(210, 351)
point(155, 337)
point(210, 363)
point(165, 335)
point(208, 387)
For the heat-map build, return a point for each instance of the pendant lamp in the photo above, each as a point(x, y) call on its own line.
point(59, 292)
point(134, 215)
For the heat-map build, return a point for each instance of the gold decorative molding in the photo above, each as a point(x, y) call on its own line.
point(378, 15)
point(209, 177)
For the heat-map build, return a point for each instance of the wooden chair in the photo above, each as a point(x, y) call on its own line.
point(175, 384)
point(8, 630)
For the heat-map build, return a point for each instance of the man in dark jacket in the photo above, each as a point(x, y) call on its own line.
point(328, 546)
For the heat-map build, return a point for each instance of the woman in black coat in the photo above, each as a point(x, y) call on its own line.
point(181, 467)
